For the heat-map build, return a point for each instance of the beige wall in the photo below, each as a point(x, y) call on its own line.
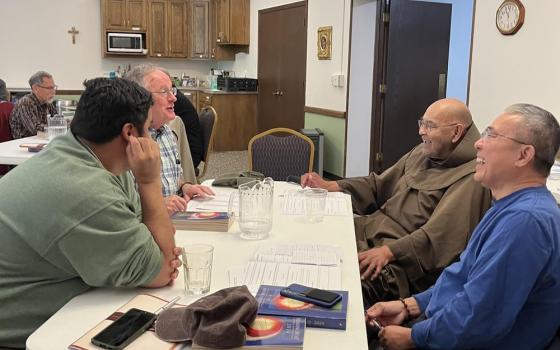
point(519, 68)
point(34, 37)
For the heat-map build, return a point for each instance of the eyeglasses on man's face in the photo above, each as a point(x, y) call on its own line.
point(54, 87)
point(165, 92)
point(429, 126)
point(491, 133)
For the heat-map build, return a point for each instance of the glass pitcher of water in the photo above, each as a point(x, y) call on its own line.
point(255, 208)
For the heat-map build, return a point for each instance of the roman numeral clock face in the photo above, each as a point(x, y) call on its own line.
point(510, 16)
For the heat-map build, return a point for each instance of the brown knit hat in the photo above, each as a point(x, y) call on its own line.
point(215, 321)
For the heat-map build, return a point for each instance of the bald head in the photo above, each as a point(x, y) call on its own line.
point(443, 126)
point(449, 111)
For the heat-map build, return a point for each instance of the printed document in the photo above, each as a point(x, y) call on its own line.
point(306, 254)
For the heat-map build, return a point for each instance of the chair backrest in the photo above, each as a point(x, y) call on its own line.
point(281, 156)
point(208, 121)
point(5, 110)
point(5, 131)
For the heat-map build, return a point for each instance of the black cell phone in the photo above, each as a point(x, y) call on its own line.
point(321, 297)
point(124, 330)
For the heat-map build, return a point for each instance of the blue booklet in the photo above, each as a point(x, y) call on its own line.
point(276, 332)
point(272, 303)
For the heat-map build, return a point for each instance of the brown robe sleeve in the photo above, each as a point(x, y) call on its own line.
point(438, 242)
point(371, 192)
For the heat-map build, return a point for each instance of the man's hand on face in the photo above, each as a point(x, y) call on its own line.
point(373, 260)
point(192, 191)
point(175, 204)
point(144, 159)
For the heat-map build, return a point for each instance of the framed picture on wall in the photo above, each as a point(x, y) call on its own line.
point(324, 43)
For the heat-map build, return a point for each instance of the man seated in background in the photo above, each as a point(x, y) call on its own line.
point(504, 293)
point(71, 218)
point(185, 110)
point(30, 112)
point(417, 216)
point(176, 190)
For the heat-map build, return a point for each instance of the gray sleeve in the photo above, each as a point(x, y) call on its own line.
point(112, 248)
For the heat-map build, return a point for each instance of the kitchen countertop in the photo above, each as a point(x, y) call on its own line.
point(217, 92)
point(182, 88)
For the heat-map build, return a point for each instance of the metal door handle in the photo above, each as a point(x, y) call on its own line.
point(278, 93)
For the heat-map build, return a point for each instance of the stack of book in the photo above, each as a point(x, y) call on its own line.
point(202, 221)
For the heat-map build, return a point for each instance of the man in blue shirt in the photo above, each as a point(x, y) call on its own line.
point(504, 293)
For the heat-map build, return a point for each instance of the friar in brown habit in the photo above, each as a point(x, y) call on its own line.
point(417, 216)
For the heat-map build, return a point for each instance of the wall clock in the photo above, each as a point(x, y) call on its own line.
point(510, 16)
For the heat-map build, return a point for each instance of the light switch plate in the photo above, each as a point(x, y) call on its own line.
point(337, 80)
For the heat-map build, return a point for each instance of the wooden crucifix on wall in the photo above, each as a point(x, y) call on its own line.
point(73, 32)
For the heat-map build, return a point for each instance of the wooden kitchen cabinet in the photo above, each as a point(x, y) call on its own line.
point(218, 52)
point(237, 119)
point(125, 15)
point(199, 29)
point(232, 22)
point(167, 34)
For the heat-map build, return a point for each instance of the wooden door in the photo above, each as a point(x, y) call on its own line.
point(199, 29)
point(281, 66)
point(410, 72)
point(222, 21)
point(114, 14)
point(136, 14)
point(177, 29)
point(158, 28)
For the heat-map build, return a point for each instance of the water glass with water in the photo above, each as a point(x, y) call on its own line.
point(56, 126)
point(315, 202)
point(197, 268)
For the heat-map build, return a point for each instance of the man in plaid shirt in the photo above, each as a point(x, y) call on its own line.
point(30, 112)
point(176, 191)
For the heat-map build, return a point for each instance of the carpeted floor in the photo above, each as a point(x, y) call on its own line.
point(226, 162)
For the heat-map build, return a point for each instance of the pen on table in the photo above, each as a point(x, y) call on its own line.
point(168, 305)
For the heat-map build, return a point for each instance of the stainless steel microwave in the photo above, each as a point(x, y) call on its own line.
point(125, 42)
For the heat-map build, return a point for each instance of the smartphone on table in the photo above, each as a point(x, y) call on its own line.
point(321, 297)
point(124, 330)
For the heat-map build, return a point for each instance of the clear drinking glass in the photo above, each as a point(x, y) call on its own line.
point(197, 268)
point(56, 126)
point(255, 208)
point(315, 202)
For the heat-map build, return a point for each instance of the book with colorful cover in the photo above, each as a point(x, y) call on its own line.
point(272, 303)
point(273, 332)
point(148, 340)
point(202, 221)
